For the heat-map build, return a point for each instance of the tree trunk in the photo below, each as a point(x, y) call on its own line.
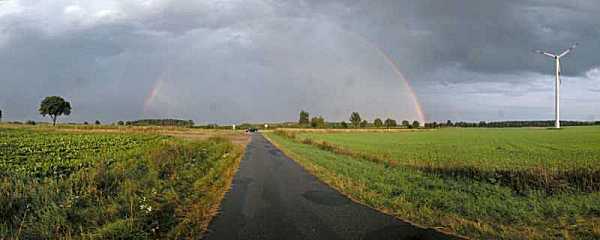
point(54, 120)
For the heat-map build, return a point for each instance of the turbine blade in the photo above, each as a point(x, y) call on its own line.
point(545, 53)
point(568, 50)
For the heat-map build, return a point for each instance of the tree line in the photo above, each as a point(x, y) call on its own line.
point(509, 124)
point(55, 106)
point(160, 122)
point(354, 121)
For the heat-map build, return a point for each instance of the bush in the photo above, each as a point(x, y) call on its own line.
point(30, 122)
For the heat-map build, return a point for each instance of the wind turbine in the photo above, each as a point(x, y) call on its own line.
point(557, 84)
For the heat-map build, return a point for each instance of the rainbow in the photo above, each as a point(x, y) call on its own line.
point(155, 90)
point(418, 107)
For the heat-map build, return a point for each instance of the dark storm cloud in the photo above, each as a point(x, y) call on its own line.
point(258, 60)
point(481, 36)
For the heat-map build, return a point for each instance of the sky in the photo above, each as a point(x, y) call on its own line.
point(233, 61)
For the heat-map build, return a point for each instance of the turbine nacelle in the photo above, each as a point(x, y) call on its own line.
point(555, 56)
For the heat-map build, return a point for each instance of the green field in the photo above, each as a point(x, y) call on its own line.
point(47, 154)
point(100, 185)
point(528, 183)
point(569, 148)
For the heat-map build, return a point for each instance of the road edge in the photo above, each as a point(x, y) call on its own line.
point(229, 175)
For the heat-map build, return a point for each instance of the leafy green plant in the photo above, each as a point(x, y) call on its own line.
point(57, 185)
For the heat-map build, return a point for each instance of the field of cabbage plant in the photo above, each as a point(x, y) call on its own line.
point(48, 154)
point(98, 185)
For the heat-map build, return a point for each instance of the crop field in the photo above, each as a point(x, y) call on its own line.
point(101, 183)
point(570, 148)
point(47, 154)
point(528, 183)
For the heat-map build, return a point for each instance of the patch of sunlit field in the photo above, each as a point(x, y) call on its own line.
point(502, 148)
point(526, 183)
point(108, 182)
point(553, 160)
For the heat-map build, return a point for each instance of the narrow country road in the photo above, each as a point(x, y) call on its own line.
point(273, 197)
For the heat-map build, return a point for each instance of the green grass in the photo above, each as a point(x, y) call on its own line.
point(58, 185)
point(510, 148)
point(464, 204)
point(524, 159)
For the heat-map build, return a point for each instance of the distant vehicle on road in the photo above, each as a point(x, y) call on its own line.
point(251, 130)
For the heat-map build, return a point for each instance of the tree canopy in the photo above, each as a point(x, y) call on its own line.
point(405, 123)
point(390, 123)
point(355, 119)
point(304, 118)
point(53, 107)
point(378, 123)
point(364, 123)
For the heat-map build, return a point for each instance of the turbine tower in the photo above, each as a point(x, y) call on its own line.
point(557, 83)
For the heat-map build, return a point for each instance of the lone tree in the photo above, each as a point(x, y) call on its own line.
point(389, 123)
point(304, 118)
point(355, 119)
point(55, 106)
point(378, 123)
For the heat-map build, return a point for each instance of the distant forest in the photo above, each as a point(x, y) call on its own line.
point(502, 124)
point(160, 122)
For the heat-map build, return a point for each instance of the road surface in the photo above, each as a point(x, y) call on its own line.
point(273, 197)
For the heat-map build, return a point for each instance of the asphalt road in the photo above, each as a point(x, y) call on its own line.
point(273, 197)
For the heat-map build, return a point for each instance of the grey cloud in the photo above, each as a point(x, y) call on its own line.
point(483, 36)
point(261, 60)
